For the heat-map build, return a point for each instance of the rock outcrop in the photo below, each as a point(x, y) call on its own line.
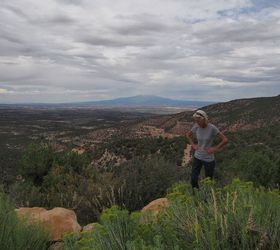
point(57, 221)
point(156, 205)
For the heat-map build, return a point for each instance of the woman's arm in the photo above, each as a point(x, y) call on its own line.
point(224, 141)
point(190, 138)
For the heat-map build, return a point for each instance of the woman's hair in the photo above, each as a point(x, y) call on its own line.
point(200, 114)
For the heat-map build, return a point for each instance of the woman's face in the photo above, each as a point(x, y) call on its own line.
point(201, 122)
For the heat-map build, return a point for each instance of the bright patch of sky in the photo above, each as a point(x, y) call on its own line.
point(254, 7)
point(82, 50)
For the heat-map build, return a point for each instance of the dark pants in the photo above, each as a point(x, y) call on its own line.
point(196, 167)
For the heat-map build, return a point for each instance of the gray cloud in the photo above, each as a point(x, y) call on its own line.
point(60, 50)
point(115, 41)
point(141, 25)
point(55, 20)
point(240, 32)
point(71, 2)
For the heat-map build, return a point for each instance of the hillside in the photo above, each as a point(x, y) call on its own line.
point(241, 114)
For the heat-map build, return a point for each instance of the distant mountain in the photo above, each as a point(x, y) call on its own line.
point(128, 102)
point(146, 101)
point(234, 115)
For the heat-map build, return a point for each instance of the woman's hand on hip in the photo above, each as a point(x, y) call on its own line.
point(195, 146)
point(211, 150)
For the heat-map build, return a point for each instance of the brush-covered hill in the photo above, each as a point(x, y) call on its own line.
point(241, 114)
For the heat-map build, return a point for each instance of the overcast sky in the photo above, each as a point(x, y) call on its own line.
point(81, 50)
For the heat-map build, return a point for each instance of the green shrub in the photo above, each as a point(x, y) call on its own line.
point(16, 234)
point(171, 150)
point(251, 155)
point(237, 216)
point(143, 180)
point(36, 162)
point(25, 194)
point(118, 230)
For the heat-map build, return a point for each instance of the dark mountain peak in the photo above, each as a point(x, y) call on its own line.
point(147, 101)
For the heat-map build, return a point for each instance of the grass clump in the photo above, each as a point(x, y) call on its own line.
point(16, 234)
point(237, 216)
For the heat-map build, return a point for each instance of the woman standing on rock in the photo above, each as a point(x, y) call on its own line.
point(205, 133)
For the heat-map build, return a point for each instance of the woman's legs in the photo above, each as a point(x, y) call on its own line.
point(209, 168)
point(196, 167)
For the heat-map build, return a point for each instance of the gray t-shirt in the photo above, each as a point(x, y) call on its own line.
point(205, 137)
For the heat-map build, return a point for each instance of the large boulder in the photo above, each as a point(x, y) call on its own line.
point(156, 205)
point(57, 221)
point(32, 213)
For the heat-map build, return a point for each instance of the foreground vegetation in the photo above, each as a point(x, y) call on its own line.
point(15, 234)
point(237, 216)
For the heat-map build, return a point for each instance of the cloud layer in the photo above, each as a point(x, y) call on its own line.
point(80, 50)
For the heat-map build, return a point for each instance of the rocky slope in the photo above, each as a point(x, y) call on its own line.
point(234, 115)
